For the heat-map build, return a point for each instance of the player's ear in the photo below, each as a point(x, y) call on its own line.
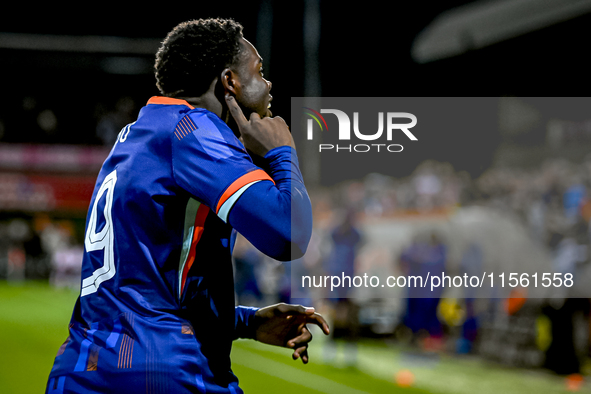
point(229, 81)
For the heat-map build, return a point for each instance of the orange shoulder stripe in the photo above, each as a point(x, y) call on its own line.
point(168, 101)
point(256, 175)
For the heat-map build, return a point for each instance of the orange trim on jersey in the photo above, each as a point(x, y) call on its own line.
point(256, 175)
point(168, 101)
point(200, 217)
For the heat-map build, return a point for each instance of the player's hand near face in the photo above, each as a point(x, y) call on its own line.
point(260, 135)
point(285, 325)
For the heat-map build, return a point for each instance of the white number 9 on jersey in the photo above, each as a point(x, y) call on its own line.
point(102, 240)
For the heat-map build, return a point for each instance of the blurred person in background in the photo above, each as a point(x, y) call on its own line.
point(247, 261)
point(471, 264)
point(427, 254)
point(562, 355)
point(66, 258)
point(346, 241)
point(18, 232)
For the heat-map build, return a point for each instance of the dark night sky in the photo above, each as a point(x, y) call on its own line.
point(364, 51)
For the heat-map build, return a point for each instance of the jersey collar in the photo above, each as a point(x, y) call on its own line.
point(168, 101)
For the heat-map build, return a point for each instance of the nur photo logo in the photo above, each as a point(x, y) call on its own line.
point(389, 125)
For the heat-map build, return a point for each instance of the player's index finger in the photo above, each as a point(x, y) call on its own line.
point(235, 110)
point(317, 319)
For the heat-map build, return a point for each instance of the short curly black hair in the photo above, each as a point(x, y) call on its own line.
point(194, 53)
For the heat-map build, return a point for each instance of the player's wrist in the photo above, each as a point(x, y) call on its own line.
point(249, 325)
point(278, 152)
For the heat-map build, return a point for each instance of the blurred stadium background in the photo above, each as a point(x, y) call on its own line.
point(515, 192)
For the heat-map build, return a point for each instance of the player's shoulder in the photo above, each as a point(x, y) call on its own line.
point(206, 124)
point(167, 109)
point(184, 118)
point(160, 116)
point(195, 131)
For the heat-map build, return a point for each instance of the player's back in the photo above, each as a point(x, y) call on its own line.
point(131, 230)
point(138, 303)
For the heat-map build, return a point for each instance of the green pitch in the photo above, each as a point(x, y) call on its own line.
point(34, 319)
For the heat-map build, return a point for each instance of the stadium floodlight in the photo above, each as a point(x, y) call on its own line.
point(66, 43)
point(487, 22)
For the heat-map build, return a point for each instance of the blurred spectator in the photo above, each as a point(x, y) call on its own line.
point(472, 265)
point(426, 255)
point(16, 264)
point(66, 261)
point(536, 217)
point(573, 198)
point(246, 261)
point(310, 264)
point(346, 240)
point(561, 355)
point(37, 264)
point(18, 232)
point(427, 187)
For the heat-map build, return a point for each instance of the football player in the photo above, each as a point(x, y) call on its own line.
point(156, 310)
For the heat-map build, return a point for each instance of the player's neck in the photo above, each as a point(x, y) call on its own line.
point(208, 100)
point(210, 103)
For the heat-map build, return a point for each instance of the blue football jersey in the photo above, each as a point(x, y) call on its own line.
point(156, 311)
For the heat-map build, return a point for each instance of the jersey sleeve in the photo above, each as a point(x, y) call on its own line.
point(276, 219)
point(209, 162)
point(244, 326)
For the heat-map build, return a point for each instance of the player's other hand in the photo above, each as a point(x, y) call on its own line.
point(285, 325)
point(259, 135)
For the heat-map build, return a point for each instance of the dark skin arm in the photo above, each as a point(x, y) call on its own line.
point(285, 325)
